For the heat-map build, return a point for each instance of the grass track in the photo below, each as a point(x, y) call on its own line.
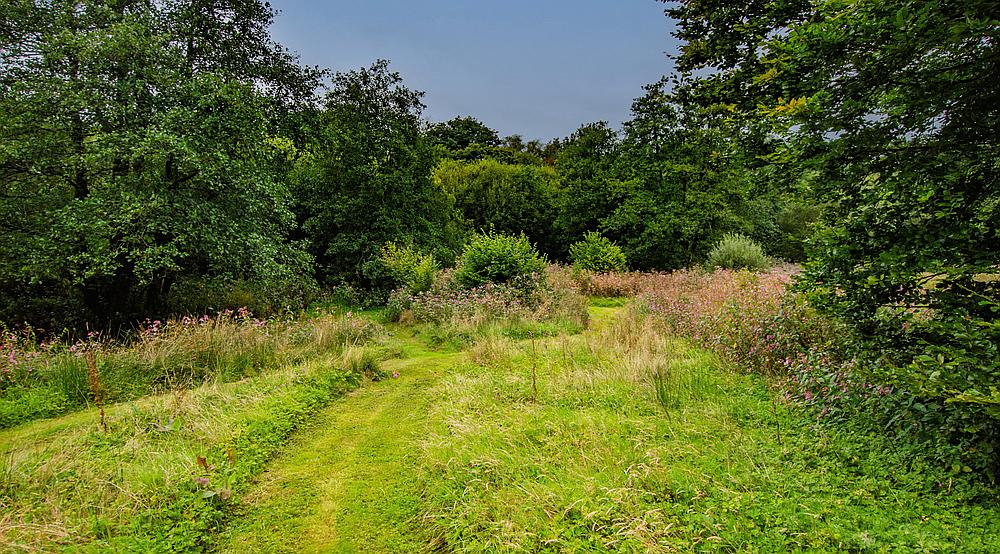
point(348, 483)
point(352, 482)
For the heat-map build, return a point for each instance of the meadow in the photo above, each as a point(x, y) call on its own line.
point(249, 304)
point(625, 412)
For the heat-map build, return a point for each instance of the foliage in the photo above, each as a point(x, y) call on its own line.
point(405, 267)
point(683, 183)
point(201, 295)
point(497, 258)
point(135, 152)
point(735, 251)
point(462, 132)
point(795, 223)
point(590, 187)
point(755, 322)
point(505, 198)
point(366, 180)
point(888, 104)
point(598, 254)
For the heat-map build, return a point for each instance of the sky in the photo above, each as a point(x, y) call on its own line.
point(538, 68)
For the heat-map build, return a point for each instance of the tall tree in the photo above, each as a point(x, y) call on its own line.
point(462, 132)
point(590, 188)
point(895, 106)
point(135, 161)
point(682, 183)
point(367, 179)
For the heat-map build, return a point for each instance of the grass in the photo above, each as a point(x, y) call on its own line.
point(179, 354)
point(163, 476)
point(637, 443)
point(616, 438)
point(353, 483)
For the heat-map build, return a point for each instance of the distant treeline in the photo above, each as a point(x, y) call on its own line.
point(168, 156)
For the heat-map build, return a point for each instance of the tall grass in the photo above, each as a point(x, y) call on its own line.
point(629, 439)
point(50, 378)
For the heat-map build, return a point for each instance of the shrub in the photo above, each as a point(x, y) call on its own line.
point(736, 251)
point(598, 254)
point(407, 268)
point(497, 258)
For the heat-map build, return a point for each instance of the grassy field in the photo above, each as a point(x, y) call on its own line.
point(617, 438)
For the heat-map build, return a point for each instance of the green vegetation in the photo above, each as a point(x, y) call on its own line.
point(496, 258)
point(622, 436)
point(167, 169)
point(176, 355)
point(406, 268)
point(735, 251)
point(592, 452)
point(164, 473)
point(504, 198)
point(596, 253)
point(879, 106)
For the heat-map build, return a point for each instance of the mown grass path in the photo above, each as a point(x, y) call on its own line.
point(348, 482)
point(351, 481)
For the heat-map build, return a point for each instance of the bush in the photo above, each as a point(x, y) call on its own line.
point(407, 268)
point(736, 251)
point(497, 258)
point(598, 254)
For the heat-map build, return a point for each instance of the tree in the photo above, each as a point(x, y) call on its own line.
point(507, 198)
point(682, 184)
point(586, 165)
point(367, 180)
point(894, 106)
point(136, 161)
point(462, 132)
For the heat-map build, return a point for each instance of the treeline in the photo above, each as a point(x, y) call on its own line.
point(168, 156)
point(665, 188)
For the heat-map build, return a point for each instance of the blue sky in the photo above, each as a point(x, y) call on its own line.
point(536, 68)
